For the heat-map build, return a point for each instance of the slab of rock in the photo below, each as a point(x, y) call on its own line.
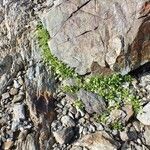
point(117, 39)
point(99, 140)
point(93, 102)
point(144, 115)
point(64, 136)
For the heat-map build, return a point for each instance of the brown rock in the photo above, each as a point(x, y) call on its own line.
point(7, 145)
point(99, 140)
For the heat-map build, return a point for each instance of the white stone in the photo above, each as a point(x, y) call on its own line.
point(144, 115)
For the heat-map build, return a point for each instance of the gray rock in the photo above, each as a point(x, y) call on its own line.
point(64, 136)
point(144, 115)
point(93, 103)
point(18, 115)
point(91, 128)
point(67, 121)
point(5, 95)
point(16, 84)
point(132, 134)
point(72, 34)
point(56, 125)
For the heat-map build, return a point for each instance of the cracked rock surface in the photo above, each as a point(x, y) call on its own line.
point(99, 36)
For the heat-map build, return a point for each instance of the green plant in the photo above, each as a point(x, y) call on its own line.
point(103, 118)
point(79, 104)
point(70, 89)
point(109, 87)
point(117, 125)
point(61, 69)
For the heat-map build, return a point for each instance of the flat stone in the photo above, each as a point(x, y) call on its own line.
point(92, 102)
point(67, 121)
point(144, 115)
point(64, 136)
point(5, 95)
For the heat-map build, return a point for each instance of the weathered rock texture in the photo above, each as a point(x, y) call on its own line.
point(99, 36)
point(20, 54)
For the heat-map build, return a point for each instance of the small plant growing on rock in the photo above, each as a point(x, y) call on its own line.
point(61, 69)
point(115, 88)
point(70, 89)
point(79, 104)
point(117, 125)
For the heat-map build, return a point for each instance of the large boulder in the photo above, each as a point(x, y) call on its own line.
point(99, 36)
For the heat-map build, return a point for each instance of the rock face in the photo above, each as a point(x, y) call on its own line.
point(99, 36)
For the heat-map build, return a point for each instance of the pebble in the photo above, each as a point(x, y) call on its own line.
point(73, 110)
point(99, 127)
point(85, 130)
point(81, 121)
point(124, 136)
point(91, 128)
point(80, 129)
point(16, 84)
point(63, 102)
point(13, 91)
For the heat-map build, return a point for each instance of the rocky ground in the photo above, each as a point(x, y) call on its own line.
point(35, 114)
point(69, 127)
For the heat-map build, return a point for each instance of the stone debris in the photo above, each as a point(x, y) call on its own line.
point(34, 112)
